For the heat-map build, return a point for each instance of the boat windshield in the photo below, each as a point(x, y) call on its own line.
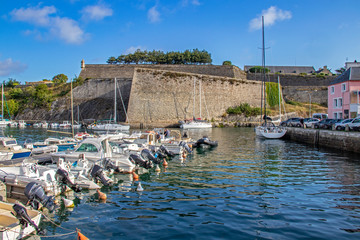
point(87, 147)
point(10, 142)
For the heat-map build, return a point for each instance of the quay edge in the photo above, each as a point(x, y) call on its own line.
point(347, 141)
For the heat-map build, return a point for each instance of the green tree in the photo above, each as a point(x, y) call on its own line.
point(42, 96)
point(78, 81)
point(112, 60)
point(11, 83)
point(60, 79)
point(226, 63)
point(13, 107)
point(16, 93)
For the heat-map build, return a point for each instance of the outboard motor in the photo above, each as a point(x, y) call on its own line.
point(62, 176)
point(140, 161)
point(36, 194)
point(184, 145)
point(159, 154)
point(98, 174)
point(109, 165)
point(146, 154)
point(166, 151)
point(24, 218)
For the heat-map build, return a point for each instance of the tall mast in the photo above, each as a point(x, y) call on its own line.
point(279, 97)
point(200, 97)
point(115, 102)
point(263, 65)
point(72, 109)
point(2, 102)
point(194, 98)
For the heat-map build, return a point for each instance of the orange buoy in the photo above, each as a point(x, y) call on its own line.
point(135, 176)
point(102, 196)
point(165, 163)
point(81, 236)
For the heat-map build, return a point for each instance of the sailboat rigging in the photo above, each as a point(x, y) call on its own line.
point(267, 129)
point(196, 123)
point(112, 126)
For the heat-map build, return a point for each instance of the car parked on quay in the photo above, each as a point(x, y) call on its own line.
point(308, 122)
point(354, 124)
point(342, 124)
point(292, 122)
point(326, 123)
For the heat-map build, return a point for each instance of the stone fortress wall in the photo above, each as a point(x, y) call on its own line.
point(163, 94)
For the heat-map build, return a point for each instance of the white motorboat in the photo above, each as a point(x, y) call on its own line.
point(65, 124)
point(62, 144)
point(95, 149)
point(196, 125)
point(110, 127)
point(10, 226)
point(21, 124)
point(16, 179)
point(54, 125)
point(10, 145)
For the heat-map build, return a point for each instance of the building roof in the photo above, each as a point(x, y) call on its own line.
point(352, 74)
point(286, 69)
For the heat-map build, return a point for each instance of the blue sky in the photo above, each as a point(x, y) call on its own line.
point(40, 39)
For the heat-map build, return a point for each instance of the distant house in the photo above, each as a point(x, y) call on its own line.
point(286, 69)
point(343, 95)
point(324, 70)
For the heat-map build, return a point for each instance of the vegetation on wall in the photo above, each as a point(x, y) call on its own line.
point(245, 109)
point(159, 57)
point(258, 69)
point(272, 94)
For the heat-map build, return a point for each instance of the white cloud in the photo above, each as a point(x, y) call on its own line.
point(35, 15)
point(271, 15)
point(8, 66)
point(59, 27)
point(67, 29)
point(153, 15)
point(185, 3)
point(96, 12)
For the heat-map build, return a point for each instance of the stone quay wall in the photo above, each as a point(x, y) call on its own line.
point(347, 141)
point(165, 97)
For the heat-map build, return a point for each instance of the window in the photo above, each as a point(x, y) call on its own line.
point(335, 103)
point(340, 102)
point(87, 147)
point(335, 115)
point(332, 90)
point(343, 87)
point(340, 115)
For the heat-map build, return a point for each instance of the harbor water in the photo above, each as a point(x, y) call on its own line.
point(246, 188)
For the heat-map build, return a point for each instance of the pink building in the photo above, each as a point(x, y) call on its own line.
point(343, 95)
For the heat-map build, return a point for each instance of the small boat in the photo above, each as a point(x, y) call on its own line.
point(37, 125)
point(17, 221)
point(10, 145)
point(62, 144)
point(44, 124)
point(267, 129)
point(21, 124)
point(205, 142)
point(65, 124)
point(95, 149)
point(196, 124)
point(5, 156)
point(110, 127)
point(54, 125)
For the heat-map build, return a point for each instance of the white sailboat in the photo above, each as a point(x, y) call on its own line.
point(267, 129)
point(196, 123)
point(112, 126)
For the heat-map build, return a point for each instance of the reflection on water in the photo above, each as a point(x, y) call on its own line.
point(245, 188)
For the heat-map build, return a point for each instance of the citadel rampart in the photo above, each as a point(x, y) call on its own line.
point(164, 97)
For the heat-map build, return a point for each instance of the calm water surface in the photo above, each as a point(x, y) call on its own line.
point(246, 188)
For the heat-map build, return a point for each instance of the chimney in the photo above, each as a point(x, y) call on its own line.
point(82, 64)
